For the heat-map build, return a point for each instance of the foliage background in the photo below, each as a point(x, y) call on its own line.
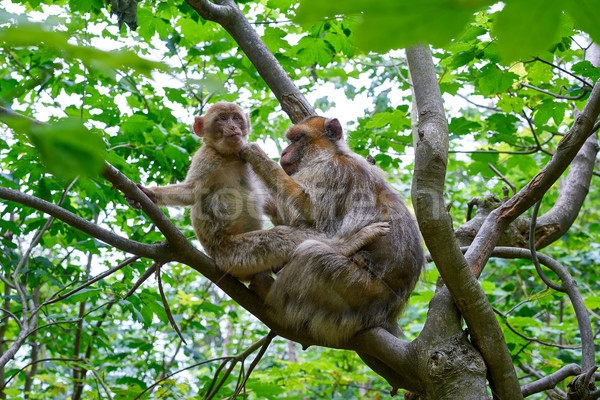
point(133, 94)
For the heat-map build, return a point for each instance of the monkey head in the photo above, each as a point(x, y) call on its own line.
point(309, 138)
point(224, 127)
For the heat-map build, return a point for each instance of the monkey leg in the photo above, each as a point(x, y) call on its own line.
point(261, 283)
point(246, 254)
point(327, 296)
point(347, 246)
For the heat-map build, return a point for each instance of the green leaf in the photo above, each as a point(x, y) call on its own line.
point(462, 126)
point(502, 123)
point(493, 80)
point(158, 309)
point(510, 104)
point(12, 392)
point(481, 161)
point(191, 30)
point(266, 390)
point(547, 110)
point(524, 28)
point(82, 295)
point(592, 302)
point(312, 50)
point(393, 24)
point(585, 68)
point(527, 165)
point(586, 14)
point(28, 34)
point(68, 149)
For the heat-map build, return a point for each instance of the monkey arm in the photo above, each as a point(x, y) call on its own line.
point(279, 184)
point(270, 210)
point(181, 194)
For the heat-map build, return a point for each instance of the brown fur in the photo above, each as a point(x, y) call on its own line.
point(320, 291)
point(227, 202)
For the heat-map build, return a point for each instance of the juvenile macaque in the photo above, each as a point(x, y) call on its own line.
point(227, 202)
point(326, 186)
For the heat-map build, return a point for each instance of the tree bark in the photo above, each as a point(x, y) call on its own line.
point(431, 157)
point(227, 14)
point(499, 219)
point(556, 221)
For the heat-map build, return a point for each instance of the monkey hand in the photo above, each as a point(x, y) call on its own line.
point(377, 229)
point(252, 151)
point(136, 204)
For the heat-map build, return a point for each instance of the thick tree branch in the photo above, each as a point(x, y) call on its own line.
point(431, 158)
point(576, 185)
point(155, 251)
point(550, 381)
point(164, 224)
point(499, 219)
point(393, 352)
point(212, 11)
point(233, 20)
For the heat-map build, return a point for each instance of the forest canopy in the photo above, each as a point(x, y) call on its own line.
point(482, 115)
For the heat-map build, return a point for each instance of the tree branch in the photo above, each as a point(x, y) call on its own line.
point(211, 11)
point(165, 226)
point(154, 251)
point(499, 219)
point(555, 95)
point(570, 286)
point(431, 157)
point(231, 18)
point(577, 183)
point(582, 80)
point(550, 381)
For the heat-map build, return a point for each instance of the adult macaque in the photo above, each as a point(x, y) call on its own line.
point(326, 186)
point(227, 203)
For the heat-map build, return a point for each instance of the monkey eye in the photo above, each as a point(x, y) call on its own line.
point(295, 137)
point(235, 116)
point(223, 117)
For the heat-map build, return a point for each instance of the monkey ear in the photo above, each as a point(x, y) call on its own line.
point(199, 126)
point(333, 128)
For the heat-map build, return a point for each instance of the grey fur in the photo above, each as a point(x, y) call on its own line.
point(321, 292)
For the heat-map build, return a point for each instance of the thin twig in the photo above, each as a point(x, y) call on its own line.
point(570, 285)
point(35, 362)
point(532, 339)
point(261, 353)
point(213, 390)
point(550, 381)
point(99, 379)
point(558, 96)
point(141, 280)
point(582, 80)
point(92, 281)
point(158, 382)
point(535, 137)
point(13, 316)
point(509, 183)
point(465, 98)
point(166, 303)
point(232, 363)
point(534, 150)
point(534, 257)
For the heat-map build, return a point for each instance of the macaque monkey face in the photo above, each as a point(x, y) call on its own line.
point(317, 133)
point(224, 127)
